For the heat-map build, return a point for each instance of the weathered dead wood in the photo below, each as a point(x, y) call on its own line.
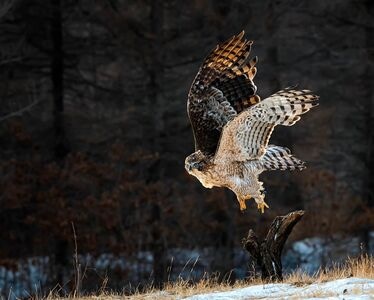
point(268, 253)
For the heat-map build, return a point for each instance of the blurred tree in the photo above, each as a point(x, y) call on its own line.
point(57, 75)
point(94, 127)
point(368, 111)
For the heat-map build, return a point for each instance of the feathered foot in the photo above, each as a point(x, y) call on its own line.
point(261, 204)
point(242, 204)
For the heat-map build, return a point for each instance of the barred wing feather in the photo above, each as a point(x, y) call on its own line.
point(222, 87)
point(246, 137)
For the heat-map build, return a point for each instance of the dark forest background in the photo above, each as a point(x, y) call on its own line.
point(94, 129)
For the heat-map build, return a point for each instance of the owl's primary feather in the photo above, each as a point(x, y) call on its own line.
point(231, 139)
point(222, 88)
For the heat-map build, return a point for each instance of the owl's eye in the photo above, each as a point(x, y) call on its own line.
point(200, 166)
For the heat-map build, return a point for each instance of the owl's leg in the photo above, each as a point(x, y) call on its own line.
point(261, 204)
point(242, 203)
point(259, 197)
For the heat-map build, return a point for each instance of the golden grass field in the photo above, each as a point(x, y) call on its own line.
point(362, 267)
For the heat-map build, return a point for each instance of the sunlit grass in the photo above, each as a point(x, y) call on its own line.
point(362, 267)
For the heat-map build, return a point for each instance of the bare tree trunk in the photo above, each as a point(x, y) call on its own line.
point(272, 52)
point(60, 145)
point(224, 245)
point(155, 73)
point(268, 253)
point(57, 75)
point(368, 77)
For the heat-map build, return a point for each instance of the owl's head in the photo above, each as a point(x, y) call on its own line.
point(195, 163)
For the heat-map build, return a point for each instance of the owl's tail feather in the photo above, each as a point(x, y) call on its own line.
point(286, 106)
point(279, 158)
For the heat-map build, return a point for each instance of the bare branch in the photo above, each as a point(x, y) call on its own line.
point(25, 108)
point(19, 112)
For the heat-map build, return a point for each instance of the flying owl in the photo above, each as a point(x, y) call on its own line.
point(232, 127)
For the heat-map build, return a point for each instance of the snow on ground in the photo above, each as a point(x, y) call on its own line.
point(348, 288)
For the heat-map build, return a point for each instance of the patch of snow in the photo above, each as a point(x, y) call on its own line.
point(348, 288)
point(310, 254)
point(305, 254)
point(26, 277)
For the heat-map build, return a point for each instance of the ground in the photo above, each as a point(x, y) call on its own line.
point(349, 288)
point(346, 288)
point(352, 280)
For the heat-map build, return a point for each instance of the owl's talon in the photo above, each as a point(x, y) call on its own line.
point(242, 204)
point(261, 206)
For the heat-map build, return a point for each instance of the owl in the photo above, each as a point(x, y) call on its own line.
point(232, 126)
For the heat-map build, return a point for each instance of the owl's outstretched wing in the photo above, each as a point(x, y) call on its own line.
point(246, 137)
point(222, 88)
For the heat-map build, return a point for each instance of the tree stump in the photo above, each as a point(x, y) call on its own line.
point(267, 254)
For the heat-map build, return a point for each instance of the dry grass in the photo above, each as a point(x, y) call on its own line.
point(359, 267)
point(354, 267)
point(184, 289)
point(180, 288)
